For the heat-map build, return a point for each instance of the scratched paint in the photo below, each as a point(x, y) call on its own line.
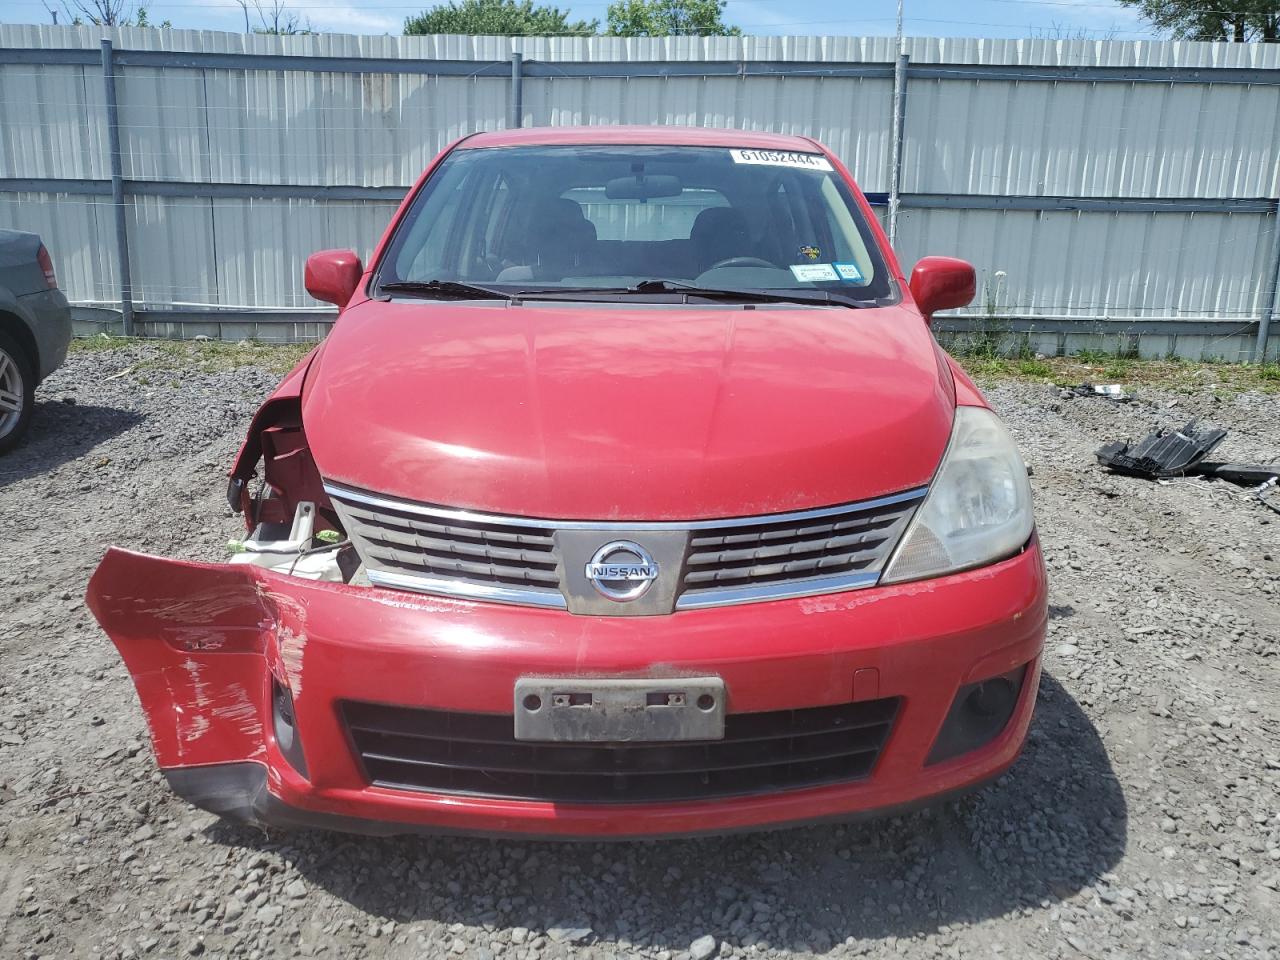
point(206, 606)
point(291, 636)
point(198, 639)
point(192, 722)
point(196, 714)
point(292, 646)
point(195, 728)
point(445, 606)
point(234, 706)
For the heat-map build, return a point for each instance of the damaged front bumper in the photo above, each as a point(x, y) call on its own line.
point(246, 676)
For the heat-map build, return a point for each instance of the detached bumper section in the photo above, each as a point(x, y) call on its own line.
point(301, 703)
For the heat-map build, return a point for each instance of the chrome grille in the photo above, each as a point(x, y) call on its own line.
point(402, 547)
point(772, 556)
point(438, 550)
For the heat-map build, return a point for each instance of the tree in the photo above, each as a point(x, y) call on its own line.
point(108, 13)
point(142, 20)
point(101, 13)
point(667, 18)
point(504, 18)
point(276, 18)
point(1062, 31)
point(1235, 20)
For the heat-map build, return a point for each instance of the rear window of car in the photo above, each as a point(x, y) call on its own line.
point(663, 218)
point(596, 217)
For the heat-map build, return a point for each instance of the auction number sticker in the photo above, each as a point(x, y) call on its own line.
point(814, 272)
point(781, 158)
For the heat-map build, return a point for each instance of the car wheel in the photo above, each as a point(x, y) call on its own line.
point(17, 392)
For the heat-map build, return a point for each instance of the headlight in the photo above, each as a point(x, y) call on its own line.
point(979, 506)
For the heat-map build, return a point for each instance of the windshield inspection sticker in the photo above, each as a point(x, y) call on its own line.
point(780, 158)
point(813, 272)
point(848, 271)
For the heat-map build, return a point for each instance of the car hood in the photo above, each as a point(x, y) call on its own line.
point(628, 412)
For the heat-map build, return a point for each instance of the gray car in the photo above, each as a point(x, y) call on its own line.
point(35, 329)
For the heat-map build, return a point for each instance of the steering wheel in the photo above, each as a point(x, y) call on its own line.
point(741, 262)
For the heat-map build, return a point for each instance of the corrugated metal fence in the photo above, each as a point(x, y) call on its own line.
point(1102, 189)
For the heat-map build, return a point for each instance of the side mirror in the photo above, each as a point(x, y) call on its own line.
point(333, 275)
point(942, 283)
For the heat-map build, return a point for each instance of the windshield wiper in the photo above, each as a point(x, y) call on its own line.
point(693, 290)
point(445, 289)
point(457, 290)
point(754, 296)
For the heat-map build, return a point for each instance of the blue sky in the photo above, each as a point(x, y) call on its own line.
point(1096, 19)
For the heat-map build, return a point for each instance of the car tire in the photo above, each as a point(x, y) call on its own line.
point(17, 389)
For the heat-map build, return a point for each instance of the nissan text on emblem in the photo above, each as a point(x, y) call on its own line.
point(622, 570)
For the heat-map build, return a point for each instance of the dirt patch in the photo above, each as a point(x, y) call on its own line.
point(1142, 820)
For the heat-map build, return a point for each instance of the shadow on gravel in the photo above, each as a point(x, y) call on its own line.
point(60, 432)
point(1053, 824)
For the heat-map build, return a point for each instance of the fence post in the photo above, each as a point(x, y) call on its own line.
point(117, 188)
point(899, 125)
point(517, 92)
point(1271, 292)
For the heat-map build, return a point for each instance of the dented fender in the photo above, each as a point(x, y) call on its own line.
point(202, 642)
point(287, 394)
point(276, 435)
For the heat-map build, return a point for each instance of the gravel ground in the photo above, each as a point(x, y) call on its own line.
point(1143, 819)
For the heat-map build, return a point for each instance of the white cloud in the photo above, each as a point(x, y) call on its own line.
point(352, 17)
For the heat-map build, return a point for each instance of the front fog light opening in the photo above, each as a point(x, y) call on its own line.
point(284, 722)
point(979, 714)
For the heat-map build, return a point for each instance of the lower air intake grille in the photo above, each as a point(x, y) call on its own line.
point(476, 754)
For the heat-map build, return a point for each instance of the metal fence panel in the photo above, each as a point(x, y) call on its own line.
point(1092, 139)
point(1132, 265)
point(52, 121)
point(173, 254)
point(277, 135)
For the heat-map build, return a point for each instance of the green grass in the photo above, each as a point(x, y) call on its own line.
point(205, 356)
point(1180, 376)
point(1034, 369)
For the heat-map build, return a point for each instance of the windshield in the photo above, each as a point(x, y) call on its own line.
point(609, 218)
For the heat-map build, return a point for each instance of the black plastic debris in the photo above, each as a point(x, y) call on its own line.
point(1165, 453)
point(1244, 474)
point(1181, 453)
point(1109, 391)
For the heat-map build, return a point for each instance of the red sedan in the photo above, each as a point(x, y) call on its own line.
point(629, 495)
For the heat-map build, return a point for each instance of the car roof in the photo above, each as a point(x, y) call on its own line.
point(638, 135)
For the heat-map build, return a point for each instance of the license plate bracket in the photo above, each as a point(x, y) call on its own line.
point(589, 710)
